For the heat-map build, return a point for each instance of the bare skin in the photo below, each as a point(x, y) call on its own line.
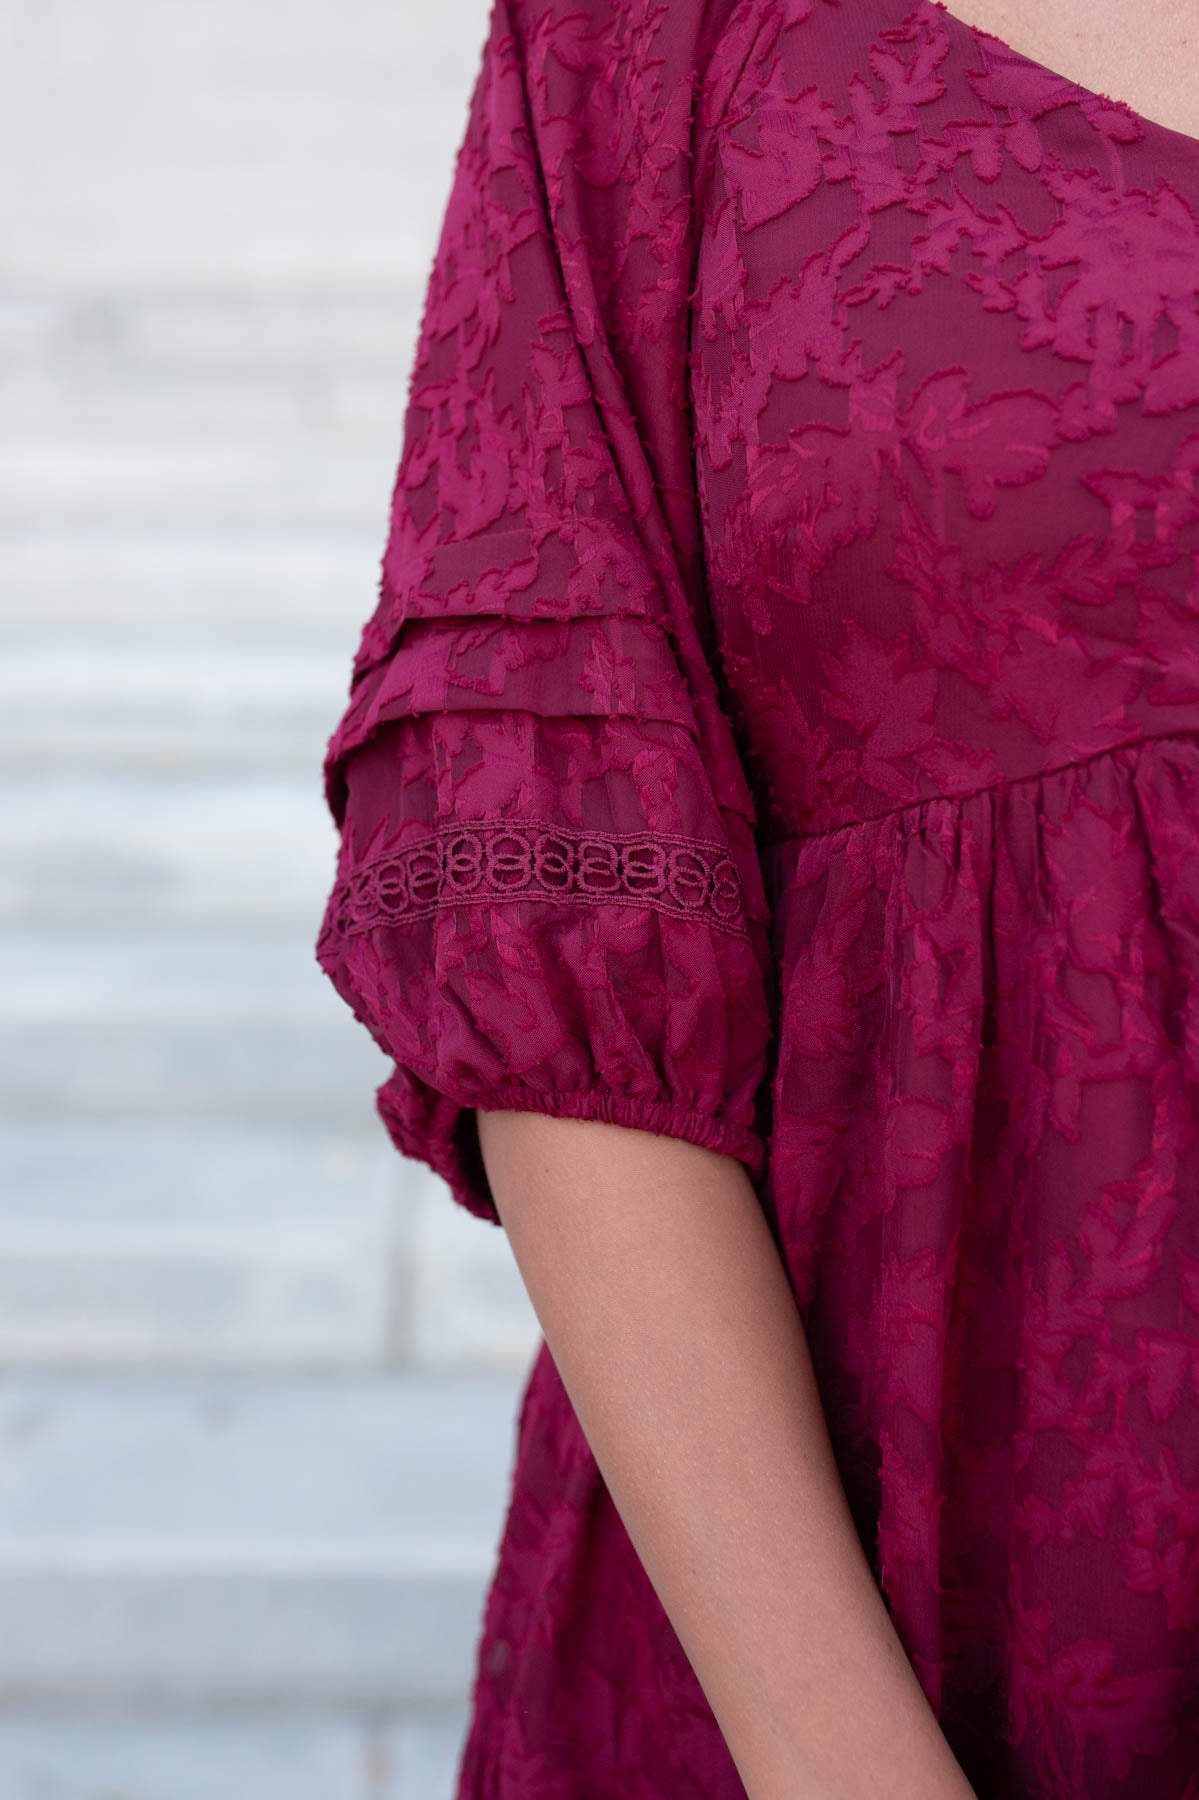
point(1145, 54)
point(668, 1313)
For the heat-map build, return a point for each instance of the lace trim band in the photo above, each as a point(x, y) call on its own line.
point(526, 860)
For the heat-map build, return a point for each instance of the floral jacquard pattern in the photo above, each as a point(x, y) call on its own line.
point(779, 728)
point(549, 895)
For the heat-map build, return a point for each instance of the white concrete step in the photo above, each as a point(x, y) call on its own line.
point(249, 586)
point(218, 1246)
point(222, 364)
point(217, 481)
point(159, 1246)
point(229, 148)
point(185, 1541)
point(173, 705)
point(89, 1176)
point(178, 1025)
point(317, 1754)
point(115, 846)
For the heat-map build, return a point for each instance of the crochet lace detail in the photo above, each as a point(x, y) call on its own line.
point(527, 859)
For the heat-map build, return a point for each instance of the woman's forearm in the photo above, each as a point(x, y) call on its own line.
point(669, 1316)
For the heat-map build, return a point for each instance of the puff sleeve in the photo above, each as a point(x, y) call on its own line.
point(548, 894)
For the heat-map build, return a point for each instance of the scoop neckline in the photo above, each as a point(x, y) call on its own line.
point(1078, 87)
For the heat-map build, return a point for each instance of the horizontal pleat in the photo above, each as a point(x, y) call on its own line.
point(594, 567)
point(590, 667)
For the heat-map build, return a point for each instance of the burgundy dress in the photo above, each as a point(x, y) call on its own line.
point(779, 729)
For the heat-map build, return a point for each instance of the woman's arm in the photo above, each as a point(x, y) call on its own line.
point(668, 1313)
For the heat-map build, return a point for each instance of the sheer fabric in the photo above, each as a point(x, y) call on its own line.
point(780, 728)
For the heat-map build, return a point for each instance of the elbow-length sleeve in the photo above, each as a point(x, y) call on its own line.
point(548, 892)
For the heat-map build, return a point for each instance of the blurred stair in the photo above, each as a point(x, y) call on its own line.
point(259, 1376)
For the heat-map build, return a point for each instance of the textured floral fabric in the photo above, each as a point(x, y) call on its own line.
point(779, 728)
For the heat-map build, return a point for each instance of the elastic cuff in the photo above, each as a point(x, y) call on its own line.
point(441, 1132)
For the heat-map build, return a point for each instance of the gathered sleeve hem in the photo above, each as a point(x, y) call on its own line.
point(440, 1130)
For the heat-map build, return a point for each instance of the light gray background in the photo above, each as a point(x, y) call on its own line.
point(257, 1376)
